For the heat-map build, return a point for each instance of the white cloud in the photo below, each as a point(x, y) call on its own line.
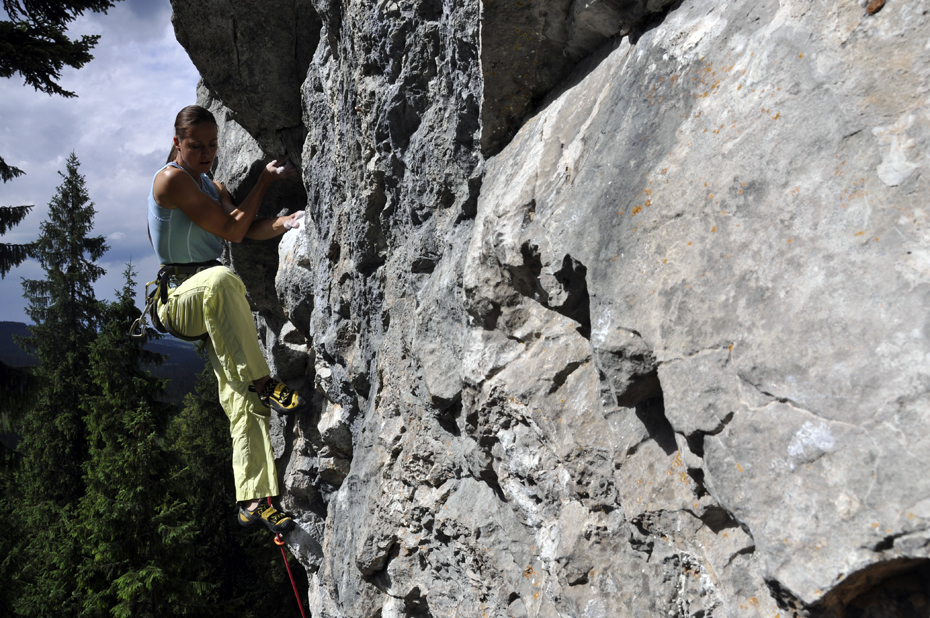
point(120, 128)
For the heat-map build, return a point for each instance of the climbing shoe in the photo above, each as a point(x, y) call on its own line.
point(264, 513)
point(281, 398)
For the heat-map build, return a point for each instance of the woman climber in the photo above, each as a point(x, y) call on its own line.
point(189, 217)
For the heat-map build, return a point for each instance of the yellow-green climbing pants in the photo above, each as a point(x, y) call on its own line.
point(213, 302)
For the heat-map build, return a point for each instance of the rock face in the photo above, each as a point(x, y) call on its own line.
point(609, 308)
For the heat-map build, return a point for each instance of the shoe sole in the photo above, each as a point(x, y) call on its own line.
point(283, 527)
point(298, 408)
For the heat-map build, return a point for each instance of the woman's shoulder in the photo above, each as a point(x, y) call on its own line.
point(169, 171)
point(169, 181)
point(166, 174)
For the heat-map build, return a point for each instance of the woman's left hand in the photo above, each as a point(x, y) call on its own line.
point(292, 222)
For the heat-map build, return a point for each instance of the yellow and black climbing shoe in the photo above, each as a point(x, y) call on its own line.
point(264, 513)
point(282, 399)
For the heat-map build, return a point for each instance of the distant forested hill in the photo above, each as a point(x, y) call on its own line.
point(182, 367)
point(10, 353)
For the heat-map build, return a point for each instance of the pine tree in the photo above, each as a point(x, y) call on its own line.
point(15, 391)
point(66, 316)
point(54, 444)
point(137, 537)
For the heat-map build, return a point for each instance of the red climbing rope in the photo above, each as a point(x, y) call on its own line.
point(280, 543)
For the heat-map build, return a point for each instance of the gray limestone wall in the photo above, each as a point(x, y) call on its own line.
point(606, 307)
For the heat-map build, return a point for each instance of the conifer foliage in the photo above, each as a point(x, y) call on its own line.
point(66, 316)
point(34, 43)
point(11, 254)
point(136, 535)
point(50, 479)
point(14, 383)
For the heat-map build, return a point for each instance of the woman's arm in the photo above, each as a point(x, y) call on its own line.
point(175, 189)
point(263, 229)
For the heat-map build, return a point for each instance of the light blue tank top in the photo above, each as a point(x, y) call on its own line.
point(177, 239)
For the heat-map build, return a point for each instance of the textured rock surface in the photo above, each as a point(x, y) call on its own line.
point(254, 58)
point(664, 352)
point(527, 48)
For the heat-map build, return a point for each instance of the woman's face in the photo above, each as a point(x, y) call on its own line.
point(198, 149)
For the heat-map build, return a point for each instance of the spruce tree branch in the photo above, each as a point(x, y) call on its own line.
point(10, 216)
point(8, 172)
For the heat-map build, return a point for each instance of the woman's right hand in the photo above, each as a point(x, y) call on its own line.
point(281, 168)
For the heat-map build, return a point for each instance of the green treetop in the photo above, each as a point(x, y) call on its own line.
point(49, 479)
point(63, 306)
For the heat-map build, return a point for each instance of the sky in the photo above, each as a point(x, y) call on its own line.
point(120, 127)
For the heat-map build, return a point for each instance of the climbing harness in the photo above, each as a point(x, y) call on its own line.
point(280, 543)
point(159, 293)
